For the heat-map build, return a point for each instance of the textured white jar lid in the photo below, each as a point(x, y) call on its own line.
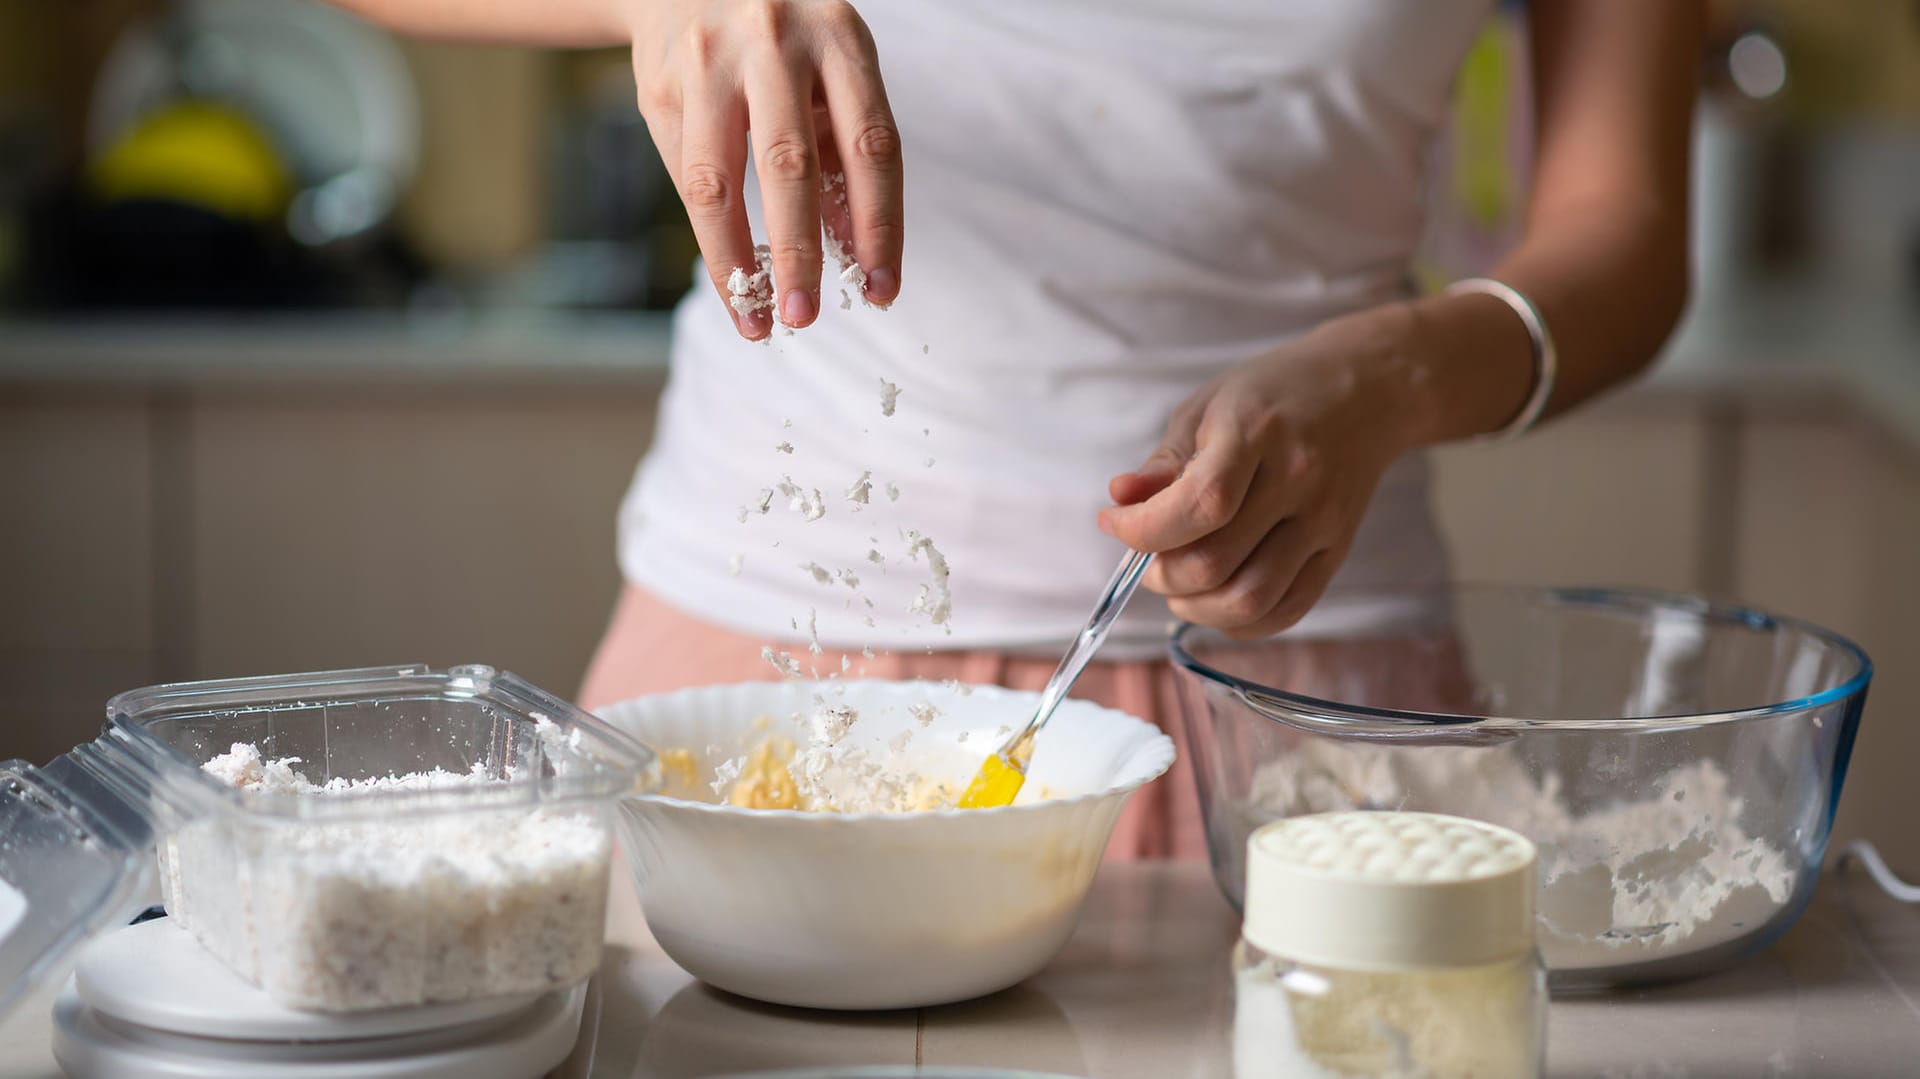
point(1389, 891)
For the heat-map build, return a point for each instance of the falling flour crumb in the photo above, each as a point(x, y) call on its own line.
point(923, 712)
point(813, 631)
point(811, 507)
point(935, 600)
point(861, 490)
point(831, 722)
point(733, 567)
point(394, 910)
point(875, 557)
point(784, 447)
point(782, 662)
point(818, 571)
point(889, 397)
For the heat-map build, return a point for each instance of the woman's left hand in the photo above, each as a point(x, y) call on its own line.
point(1253, 496)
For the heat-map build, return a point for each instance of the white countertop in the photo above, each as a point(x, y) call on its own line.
point(1142, 990)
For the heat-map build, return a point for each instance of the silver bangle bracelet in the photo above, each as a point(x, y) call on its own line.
point(1546, 364)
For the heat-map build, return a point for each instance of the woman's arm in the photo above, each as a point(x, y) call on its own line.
point(800, 77)
point(1254, 495)
point(1604, 254)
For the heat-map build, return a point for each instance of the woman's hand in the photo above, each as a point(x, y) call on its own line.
point(1253, 497)
point(802, 77)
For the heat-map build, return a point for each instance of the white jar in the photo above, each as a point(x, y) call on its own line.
point(1384, 945)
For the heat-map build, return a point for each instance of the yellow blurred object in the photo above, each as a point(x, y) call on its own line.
point(199, 153)
point(765, 782)
point(999, 780)
point(1480, 117)
point(678, 769)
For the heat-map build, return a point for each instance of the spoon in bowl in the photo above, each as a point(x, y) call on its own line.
point(1001, 777)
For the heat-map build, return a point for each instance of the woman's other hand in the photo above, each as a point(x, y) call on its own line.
point(801, 77)
point(1253, 497)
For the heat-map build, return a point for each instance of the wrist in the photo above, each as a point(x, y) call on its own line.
point(1389, 356)
point(1471, 366)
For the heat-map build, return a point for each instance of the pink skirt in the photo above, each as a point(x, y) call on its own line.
point(652, 647)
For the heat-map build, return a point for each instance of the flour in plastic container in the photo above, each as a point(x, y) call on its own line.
point(353, 913)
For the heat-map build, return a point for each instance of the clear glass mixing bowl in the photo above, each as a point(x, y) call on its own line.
point(1677, 762)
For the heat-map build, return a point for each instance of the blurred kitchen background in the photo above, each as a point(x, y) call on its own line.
point(319, 348)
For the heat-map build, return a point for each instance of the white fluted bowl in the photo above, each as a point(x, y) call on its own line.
point(872, 910)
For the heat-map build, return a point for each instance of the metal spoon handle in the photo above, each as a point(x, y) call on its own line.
point(1126, 579)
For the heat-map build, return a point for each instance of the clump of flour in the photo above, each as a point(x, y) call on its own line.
point(751, 291)
point(372, 911)
point(834, 186)
point(889, 397)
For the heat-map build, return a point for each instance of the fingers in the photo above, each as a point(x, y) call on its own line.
point(1164, 464)
point(713, 167)
point(868, 147)
point(1308, 586)
point(1205, 496)
point(1211, 562)
point(1131, 487)
point(780, 113)
point(1253, 594)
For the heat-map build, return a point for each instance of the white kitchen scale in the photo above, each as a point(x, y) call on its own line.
point(148, 1002)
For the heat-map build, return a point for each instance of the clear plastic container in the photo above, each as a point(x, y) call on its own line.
point(493, 884)
point(1382, 945)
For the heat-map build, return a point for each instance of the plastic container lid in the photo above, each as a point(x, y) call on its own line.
point(1378, 890)
point(76, 837)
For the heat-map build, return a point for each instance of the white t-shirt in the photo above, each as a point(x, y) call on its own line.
point(1108, 202)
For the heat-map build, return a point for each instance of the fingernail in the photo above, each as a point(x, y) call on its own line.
point(882, 285)
point(754, 326)
point(798, 308)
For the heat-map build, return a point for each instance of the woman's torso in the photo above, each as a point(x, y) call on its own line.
point(1108, 203)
